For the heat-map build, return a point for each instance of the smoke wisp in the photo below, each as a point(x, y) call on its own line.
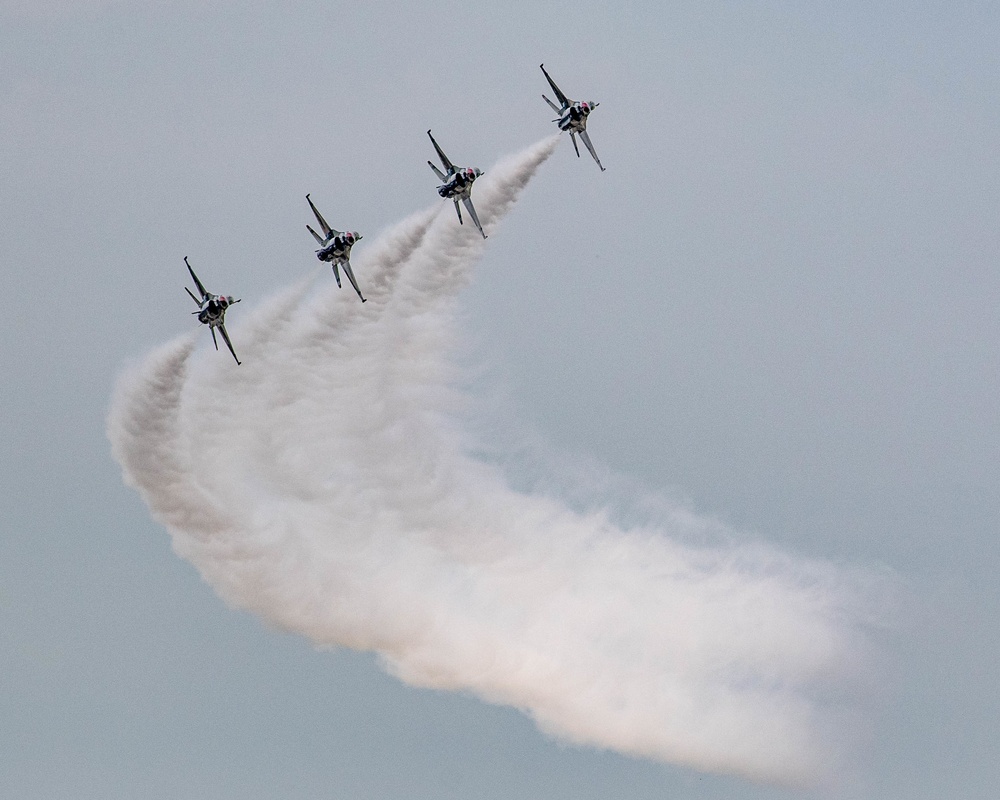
point(327, 486)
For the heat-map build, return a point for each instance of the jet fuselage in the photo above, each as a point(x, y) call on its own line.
point(214, 312)
point(339, 248)
point(459, 185)
point(574, 118)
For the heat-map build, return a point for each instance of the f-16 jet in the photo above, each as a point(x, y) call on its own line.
point(335, 248)
point(457, 184)
point(212, 310)
point(572, 117)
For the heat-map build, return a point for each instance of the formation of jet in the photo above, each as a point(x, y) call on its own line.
point(572, 117)
point(457, 184)
point(212, 310)
point(335, 248)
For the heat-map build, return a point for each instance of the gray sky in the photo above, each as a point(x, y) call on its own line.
point(778, 303)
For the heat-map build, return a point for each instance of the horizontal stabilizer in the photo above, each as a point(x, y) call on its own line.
point(316, 236)
point(439, 173)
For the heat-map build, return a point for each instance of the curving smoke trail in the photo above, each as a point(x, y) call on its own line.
point(326, 486)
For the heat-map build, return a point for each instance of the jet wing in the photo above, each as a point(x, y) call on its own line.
point(467, 202)
point(586, 140)
point(229, 344)
point(444, 159)
point(319, 218)
point(350, 276)
point(562, 98)
point(197, 283)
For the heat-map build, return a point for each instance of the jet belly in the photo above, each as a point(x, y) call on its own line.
point(455, 190)
point(568, 123)
point(333, 252)
point(209, 316)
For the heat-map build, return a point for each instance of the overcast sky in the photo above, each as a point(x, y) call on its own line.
point(776, 308)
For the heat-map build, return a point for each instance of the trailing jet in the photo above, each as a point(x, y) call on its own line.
point(457, 184)
point(572, 117)
point(212, 310)
point(335, 247)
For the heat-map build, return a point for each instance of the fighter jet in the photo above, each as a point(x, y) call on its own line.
point(212, 310)
point(572, 117)
point(457, 184)
point(335, 247)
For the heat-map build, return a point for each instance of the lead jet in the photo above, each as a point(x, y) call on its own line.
point(212, 310)
point(335, 248)
point(457, 184)
point(572, 117)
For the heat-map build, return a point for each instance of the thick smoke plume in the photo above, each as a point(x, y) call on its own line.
point(326, 486)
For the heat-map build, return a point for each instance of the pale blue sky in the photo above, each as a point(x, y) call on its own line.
point(779, 302)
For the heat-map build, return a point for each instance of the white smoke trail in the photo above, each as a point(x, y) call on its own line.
point(325, 486)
